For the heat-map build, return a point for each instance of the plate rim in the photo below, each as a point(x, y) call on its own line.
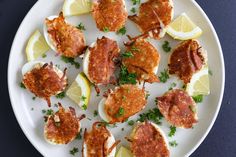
point(208, 128)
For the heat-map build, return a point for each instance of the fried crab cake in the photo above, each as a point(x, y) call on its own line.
point(99, 61)
point(63, 126)
point(44, 80)
point(99, 142)
point(148, 140)
point(153, 17)
point(187, 59)
point(144, 60)
point(109, 15)
point(64, 38)
point(125, 101)
point(178, 108)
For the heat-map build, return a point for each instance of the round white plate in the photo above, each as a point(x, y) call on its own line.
point(29, 112)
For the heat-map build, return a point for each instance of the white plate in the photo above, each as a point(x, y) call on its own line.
point(31, 121)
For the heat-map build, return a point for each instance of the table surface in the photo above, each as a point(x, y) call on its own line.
point(219, 143)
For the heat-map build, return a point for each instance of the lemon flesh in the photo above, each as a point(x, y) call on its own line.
point(183, 28)
point(76, 7)
point(124, 152)
point(79, 91)
point(199, 84)
point(36, 46)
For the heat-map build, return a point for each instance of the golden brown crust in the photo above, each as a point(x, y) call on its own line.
point(148, 142)
point(62, 127)
point(128, 97)
point(101, 60)
point(96, 141)
point(178, 108)
point(186, 60)
point(44, 81)
point(144, 60)
point(110, 14)
point(152, 14)
point(68, 40)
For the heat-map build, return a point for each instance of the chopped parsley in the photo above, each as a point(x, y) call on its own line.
point(173, 143)
point(131, 122)
point(172, 131)
point(147, 95)
point(74, 151)
point(44, 55)
point(172, 85)
point(106, 29)
point(136, 2)
point(83, 98)
point(81, 26)
point(133, 10)
point(48, 112)
point(164, 76)
point(22, 85)
point(95, 113)
point(33, 98)
point(120, 112)
point(210, 72)
point(122, 31)
point(166, 47)
point(198, 98)
point(122, 129)
point(184, 86)
point(127, 54)
point(125, 77)
point(79, 136)
point(153, 115)
point(61, 95)
point(84, 107)
point(71, 61)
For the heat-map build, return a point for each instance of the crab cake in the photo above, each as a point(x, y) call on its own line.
point(187, 59)
point(143, 60)
point(153, 17)
point(63, 126)
point(64, 38)
point(99, 142)
point(99, 61)
point(110, 15)
point(178, 108)
point(148, 140)
point(125, 101)
point(44, 80)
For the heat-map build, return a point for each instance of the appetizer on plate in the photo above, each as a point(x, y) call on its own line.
point(147, 140)
point(44, 80)
point(109, 15)
point(141, 58)
point(63, 126)
point(153, 17)
point(99, 142)
point(187, 59)
point(178, 108)
point(123, 102)
point(64, 38)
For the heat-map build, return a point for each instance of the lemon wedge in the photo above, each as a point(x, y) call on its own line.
point(36, 46)
point(199, 84)
point(79, 91)
point(183, 28)
point(76, 7)
point(124, 152)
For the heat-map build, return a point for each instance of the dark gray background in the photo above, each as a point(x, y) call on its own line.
point(221, 141)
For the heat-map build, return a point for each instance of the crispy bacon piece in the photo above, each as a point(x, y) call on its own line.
point(144, 60)
point(63, 126)
point(109, 14)
point(178, 108)
point(147, 141)
point(128, 98)
point(68, 40)
point(96, 141)
point(101, 60)
point(153, 17)
point(45, 81)
point(186, 60)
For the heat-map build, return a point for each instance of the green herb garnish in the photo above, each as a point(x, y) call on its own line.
point(79, 135)
point(210, 72)
point(84, 107)
point(152, 115)
point(136, 2)
point(172, 131)
point(106, 29)
point(120, 112)
point(33, 98)
point(125, 77)
point(48, 112)
point(164, 76)
point(71, 61)
point(95, 113)
point(81, 26)
point(122, 31)
point(127, 54)
point(133, 10)
point(61, 95)
point(173, 143)
point(198, 98)
point(44, 55)
point(172, 85)
point(133, 48)
point(83, 98)
point(131, 122)
point(74, 151)
point(22, 85)
point(166, 47)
